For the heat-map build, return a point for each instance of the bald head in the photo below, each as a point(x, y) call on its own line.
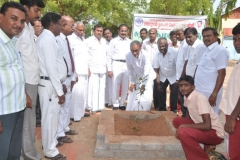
point(162, 45)
point(67, 25)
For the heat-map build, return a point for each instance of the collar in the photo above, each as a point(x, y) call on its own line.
point(95, 38)
point(48, 32)
point(148, 41)
point(63, 36)
point(212, 45)
point(182, 42)
point(195, 44)
point(139, 56)
point(190, 96)
point(122, 38)
point(4, 37)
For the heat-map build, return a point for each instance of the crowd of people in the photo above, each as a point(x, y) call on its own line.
point(50, 63)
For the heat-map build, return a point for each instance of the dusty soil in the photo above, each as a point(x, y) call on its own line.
point(144, 127)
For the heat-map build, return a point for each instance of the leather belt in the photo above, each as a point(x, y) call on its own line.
point(119, 60)
point(68, 76)
point(46, 78)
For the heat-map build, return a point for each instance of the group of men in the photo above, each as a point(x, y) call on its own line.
point(71, 74)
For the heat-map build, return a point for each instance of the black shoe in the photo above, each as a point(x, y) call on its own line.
point(115, 108)
point(122, 108)
point(86, 115)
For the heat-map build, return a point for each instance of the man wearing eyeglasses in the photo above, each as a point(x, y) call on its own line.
point(64, 45)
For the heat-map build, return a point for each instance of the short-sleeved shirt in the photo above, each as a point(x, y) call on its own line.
point(166, 64)
point(231, 96)
point(197, 105)
point(12, 81)
point(214, 58)
point(194, 56)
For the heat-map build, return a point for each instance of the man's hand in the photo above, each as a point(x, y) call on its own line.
point(132, 87)
point(29, 101)
point(212, 100)
point(159, 88)
point(89, 73)
point(229, 125)
point(61, 99)
point(72, 84)
point(64, 89)
point(1, 127)
point(110, 74)
point(142, 89)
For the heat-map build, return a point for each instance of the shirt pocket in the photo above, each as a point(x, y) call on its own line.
point(204, 62)
point(192, 60)
point(170, 65)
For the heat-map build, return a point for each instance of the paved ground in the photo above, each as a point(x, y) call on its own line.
point(84, 143)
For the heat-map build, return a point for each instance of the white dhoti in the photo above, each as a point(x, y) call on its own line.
point(50, 116)
point(108, 91)
point(96, 91)
point(143, 102)
point(120, 76)
point(64, 117)
point(219, 98)
point(79, 97)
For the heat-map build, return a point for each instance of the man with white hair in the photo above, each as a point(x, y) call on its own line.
point(182, 52)
point(80, 54)
point(139, 67)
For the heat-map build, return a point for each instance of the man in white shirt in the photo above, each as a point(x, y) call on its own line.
point(63, 44)
point(37, 26)
point(182, 52)
point(173, 38)
point(143, 35)
point(211, 69)
point(108, 91)
point(164, 64)
point(116, 66)
point(193, 56)
point(97, 67)
point(139, 67)
point(27, 46)
point(230, 104)
point(152, 48)
point(53, 72)
point(80, 89)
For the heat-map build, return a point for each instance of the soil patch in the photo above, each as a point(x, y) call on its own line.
point(145, 126)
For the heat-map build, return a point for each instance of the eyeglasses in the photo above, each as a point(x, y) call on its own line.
point(69, 25)
point(59, 24)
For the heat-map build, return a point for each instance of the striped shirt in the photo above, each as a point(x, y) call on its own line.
point(12, 82)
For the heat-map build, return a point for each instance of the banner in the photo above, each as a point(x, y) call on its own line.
point(165, 24)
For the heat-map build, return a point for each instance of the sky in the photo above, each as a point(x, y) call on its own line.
point(216, 3)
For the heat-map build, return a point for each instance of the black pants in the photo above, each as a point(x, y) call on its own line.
point(38, 111)
point(163, 96)
point(155, 95)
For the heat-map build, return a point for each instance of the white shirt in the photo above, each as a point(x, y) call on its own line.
point(62, 44)
point(80, 53)
point(51, 60)
point(97, 54)
point(117, 50)
point(27, 46)
point(215, 57)
point(167, 65)
point(152, 49)
point(138, 67)
point(231, 96)
point(183, 49)
point(194, 56)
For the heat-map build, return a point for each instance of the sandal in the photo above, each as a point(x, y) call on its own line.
point(71, 132)
point(65, 139)
point(214, 155)
point(57, 157)
point(59, 144)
